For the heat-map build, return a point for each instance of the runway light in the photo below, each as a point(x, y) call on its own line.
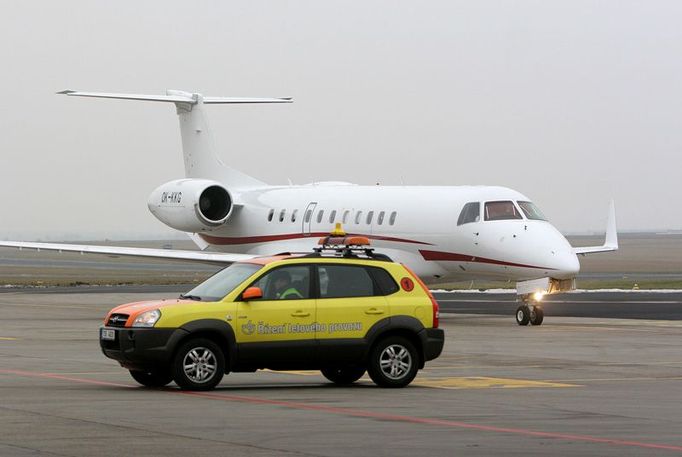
point(538, 295)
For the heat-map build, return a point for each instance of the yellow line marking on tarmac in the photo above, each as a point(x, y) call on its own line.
point(296, 372)
point(484, 382)
point(7, 338)
point(471, 382)
point(664, 378)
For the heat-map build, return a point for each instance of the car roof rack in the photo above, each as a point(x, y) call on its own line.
point(340, 244)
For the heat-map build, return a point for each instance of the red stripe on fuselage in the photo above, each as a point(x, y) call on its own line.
point(454, 257)
point(220, 240)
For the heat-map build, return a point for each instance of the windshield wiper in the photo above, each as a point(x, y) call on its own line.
point(191, 297)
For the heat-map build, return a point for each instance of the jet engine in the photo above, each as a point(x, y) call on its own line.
point(191, 205)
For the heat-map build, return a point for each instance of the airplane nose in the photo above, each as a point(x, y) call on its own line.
point(566, 265)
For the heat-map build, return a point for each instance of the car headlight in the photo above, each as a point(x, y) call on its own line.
point(147, 319)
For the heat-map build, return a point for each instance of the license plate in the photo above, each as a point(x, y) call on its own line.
point(107, 334)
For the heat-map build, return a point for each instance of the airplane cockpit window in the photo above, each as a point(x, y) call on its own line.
point(502, 210)
point(470, 213)
point(531, 211)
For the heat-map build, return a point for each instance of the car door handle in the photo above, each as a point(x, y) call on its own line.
point(374, 311)
point(300, 314)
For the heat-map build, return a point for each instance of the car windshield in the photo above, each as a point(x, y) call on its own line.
point(223, 282)
point(531, 211)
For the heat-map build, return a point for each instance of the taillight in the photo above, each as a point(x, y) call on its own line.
point(434, 303)
point(436, 311)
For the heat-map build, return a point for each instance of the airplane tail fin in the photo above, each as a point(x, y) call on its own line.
point(201, 160)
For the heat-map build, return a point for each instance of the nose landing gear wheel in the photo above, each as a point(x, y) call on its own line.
point(536, 315)
point(523, 315)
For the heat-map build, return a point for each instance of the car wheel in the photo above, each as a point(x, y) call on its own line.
point(199, 364)
point(343, 375)
point(393, 362)
point(152, 378)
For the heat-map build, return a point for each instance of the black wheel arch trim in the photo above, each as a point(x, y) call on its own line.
point(213, 327)
point(397, 324)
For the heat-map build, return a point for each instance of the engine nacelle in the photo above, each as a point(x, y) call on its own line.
point(191, 205)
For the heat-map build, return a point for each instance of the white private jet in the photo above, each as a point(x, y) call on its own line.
point(441, 232)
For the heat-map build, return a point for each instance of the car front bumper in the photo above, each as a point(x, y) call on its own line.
point(141, 348)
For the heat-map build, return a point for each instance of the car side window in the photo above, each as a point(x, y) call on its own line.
point(384, 280)
point(338, 281)
point(285, 283)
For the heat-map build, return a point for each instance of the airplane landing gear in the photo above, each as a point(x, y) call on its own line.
point(529, 312)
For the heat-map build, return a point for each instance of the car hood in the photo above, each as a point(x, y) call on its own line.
point(136, 308)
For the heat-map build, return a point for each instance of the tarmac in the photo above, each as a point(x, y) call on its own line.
point(573, 386)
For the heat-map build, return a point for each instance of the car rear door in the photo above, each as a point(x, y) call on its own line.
point(350, 302)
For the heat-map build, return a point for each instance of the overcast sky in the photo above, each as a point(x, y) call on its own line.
point(572, 103)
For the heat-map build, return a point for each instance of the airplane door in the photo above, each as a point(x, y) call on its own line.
point(308, 218)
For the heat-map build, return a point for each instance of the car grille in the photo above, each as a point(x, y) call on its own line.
point(117, 320)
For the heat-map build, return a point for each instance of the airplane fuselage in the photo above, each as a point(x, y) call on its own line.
point(416, 225)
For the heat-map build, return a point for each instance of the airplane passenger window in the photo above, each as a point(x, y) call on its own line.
point(499, 211)
point(332, 216)
point(470, 213)
point(370, 215)
point(380, 217)
point(391, 220)
point(358, 215)
point(308, 214)
point(319, 216)
point(282, 214)
point(271, 214)
point(531, 211)
point(345, 216)
point(293, 215)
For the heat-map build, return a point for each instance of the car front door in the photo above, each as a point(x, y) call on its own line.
point(278, 330)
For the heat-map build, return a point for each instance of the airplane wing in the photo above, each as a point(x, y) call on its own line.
point(196, 256)
point(611, 241)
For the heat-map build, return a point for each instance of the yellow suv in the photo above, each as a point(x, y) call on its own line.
point(342, 309)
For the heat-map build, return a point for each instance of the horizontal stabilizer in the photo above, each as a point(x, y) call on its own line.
point(196, 256)
point(175, 96)
point(611, 241)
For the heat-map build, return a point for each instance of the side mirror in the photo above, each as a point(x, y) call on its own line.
point(252, 293)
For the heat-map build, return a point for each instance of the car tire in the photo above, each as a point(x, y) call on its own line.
point(393, 362)
point(199, 364)
point(343, 375)
point(152, 379)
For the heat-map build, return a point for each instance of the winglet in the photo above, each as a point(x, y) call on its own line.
point(611, 239)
